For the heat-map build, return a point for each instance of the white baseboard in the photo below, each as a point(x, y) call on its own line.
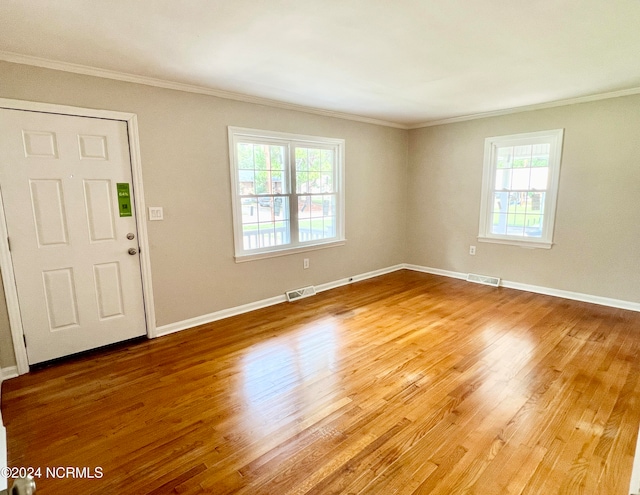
point(218, 315)
point(245, 308)
point(575, 296)
point(358, 278)
point(436, 271)
point(548, 291)
point(8, 372)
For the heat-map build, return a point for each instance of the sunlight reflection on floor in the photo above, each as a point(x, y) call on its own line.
point(278, 368)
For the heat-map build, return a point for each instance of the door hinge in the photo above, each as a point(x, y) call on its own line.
point(24, 337)
point(9, 243)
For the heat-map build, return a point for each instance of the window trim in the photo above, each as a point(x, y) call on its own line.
point(289, 141)
point(555, 139)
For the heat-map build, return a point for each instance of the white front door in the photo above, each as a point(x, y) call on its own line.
point(72, 231)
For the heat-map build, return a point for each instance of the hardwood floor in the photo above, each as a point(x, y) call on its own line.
point(404, 384)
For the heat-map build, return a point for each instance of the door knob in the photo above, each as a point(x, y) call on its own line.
point(132, 251)
point(130, 236)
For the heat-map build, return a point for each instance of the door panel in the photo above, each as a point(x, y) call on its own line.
point(40, 144)
point(60, 298)
point(78, 287)
point(97, 194)
point(47, 203)
point(108, 287)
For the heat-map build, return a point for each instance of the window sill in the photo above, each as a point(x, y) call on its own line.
point(241, 258)
point(529, 244)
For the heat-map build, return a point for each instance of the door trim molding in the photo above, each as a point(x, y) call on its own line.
point(6, 264)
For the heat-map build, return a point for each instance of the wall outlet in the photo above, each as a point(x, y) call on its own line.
point(305, 263)
point(472, 250)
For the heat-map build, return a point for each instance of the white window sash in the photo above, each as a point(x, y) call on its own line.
point(554, 138)
point(290, 142)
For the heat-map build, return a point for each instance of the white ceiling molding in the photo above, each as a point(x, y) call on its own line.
point(189, 88)
point(529, 108)
point(160, 83)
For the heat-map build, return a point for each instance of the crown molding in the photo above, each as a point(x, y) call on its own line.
point(529, 108)
point(229, 95)
point(86, 70)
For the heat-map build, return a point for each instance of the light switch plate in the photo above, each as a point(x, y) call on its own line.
point(156, 213)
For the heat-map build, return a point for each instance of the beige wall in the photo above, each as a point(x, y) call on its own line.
point(185, 163)
point(597, 232)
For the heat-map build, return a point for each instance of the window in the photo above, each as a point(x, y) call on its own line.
point(288, 192)
point(520, 184)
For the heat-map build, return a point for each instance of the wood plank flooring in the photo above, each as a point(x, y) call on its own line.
point(404, 384)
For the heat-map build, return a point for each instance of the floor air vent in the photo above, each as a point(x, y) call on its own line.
point(483, 279)
point(294, 295)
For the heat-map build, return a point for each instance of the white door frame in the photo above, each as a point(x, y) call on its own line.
point(6, 264)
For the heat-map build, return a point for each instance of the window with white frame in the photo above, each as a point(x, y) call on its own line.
point(520, 185)
point(288, 192)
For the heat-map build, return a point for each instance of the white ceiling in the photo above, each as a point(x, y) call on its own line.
point(406, 62)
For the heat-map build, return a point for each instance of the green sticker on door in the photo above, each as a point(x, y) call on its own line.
point(124, 199)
